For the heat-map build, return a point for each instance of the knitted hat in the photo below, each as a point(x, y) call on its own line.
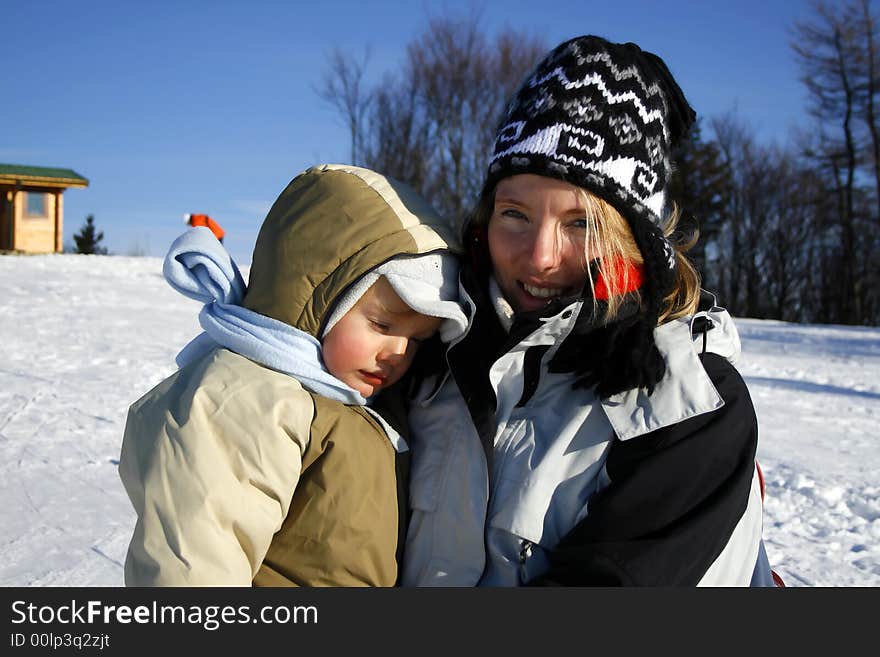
point(605, 117)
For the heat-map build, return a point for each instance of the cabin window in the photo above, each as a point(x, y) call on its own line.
point(35, 205)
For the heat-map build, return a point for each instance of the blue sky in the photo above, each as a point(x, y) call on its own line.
point(195, 106)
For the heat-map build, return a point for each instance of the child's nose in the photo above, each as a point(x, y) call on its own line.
point(394, 348)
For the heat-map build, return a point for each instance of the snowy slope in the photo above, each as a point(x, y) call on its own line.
point(81, 337)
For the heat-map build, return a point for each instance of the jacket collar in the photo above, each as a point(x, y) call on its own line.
point(686, 390)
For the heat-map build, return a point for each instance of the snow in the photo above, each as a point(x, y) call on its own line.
point(84, 336)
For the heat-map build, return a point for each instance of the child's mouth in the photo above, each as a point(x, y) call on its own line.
point(372, 379)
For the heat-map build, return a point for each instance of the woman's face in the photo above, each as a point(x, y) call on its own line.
point(537, 237)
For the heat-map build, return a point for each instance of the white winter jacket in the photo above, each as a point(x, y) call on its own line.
point(499, 525)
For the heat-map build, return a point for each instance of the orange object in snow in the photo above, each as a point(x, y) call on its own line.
point(207, 222)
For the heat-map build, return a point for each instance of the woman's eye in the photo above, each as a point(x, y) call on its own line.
point(514, 214)
point(579, 223)
point(382, 326)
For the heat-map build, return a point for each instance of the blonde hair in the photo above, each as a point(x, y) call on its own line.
point(610, 242)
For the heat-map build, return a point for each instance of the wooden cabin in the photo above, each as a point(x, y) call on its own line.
point(32, 208)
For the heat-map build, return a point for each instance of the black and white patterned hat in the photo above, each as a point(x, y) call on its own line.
point(604, 116)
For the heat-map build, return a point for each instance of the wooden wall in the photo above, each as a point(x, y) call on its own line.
point(38, 233)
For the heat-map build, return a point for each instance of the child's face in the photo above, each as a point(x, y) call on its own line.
point(373, 344)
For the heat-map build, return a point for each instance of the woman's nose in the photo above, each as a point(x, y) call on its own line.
point(545, 249)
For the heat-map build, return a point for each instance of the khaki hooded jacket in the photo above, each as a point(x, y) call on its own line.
point(237, 473)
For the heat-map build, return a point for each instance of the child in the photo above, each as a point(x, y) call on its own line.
point(258, 461)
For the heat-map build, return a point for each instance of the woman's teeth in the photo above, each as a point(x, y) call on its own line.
point(543, 292)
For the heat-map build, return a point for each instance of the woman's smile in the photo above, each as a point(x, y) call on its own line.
point(537, 238)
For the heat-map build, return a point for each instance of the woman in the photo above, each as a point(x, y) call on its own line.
point(591, 429)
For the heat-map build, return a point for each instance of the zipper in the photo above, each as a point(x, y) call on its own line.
point(525, 552)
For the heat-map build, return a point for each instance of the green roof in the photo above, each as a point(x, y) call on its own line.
point(25, 174)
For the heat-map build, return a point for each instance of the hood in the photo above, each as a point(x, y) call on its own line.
point(327, 229)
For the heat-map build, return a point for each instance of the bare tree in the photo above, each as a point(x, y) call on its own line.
point(397, 138)
point(836, 53)
point(431, 123)
point(701, 185)
point(786, 232)
point(343, 89)
point(793, 199)
point(734, 262)
point(868, 86)
point(762, 227)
